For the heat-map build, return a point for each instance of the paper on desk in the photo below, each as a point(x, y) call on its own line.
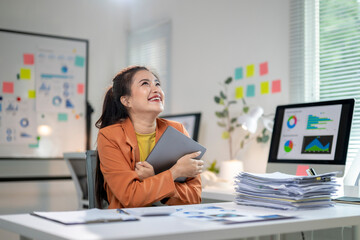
point(85, 216)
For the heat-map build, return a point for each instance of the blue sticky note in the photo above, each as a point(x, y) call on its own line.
point(0, 107)
point(238, 73)
point(62, 117)
point(79, 61)
point(250, 90)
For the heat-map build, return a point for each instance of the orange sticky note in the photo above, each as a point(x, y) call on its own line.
point(80, 88)
point(239, 92)
point(28, 59)
point(276, 86)
point(301, 170)
point(264, 87)
point(8, 87)
point(263, 68)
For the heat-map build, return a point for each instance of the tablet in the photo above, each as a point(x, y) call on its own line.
point(171, 146)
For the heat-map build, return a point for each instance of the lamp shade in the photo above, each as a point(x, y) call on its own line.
point(249, 121)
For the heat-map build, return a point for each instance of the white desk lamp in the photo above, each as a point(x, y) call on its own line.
point(249, 121)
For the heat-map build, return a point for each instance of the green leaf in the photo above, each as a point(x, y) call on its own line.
point(264, 131)
point(242, 144)
point(232, 102)
point(225, 112)
point(246, 109)
point(247, 136)
point(231, 129)
point(222, 94)
point(233, 120)
point(266, 138)
point(217, 99)
point(228, 80)
point(219, 114)
point(221, 124)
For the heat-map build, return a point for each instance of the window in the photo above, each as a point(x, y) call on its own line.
point(151, 47)
point(325, 56)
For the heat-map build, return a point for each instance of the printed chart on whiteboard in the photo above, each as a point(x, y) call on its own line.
point(43, 82)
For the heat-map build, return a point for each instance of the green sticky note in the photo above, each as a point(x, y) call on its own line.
point(250, 70)
point(238, 73)
point(250, 90)
point(62, 117)
point(79, 61)
point(264, 87)
point(239, 92)
point(31, 94)
point(25, 73)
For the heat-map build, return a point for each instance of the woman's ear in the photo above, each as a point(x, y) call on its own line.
point(124, 100)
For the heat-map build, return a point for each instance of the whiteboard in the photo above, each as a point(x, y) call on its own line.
point(43, 93)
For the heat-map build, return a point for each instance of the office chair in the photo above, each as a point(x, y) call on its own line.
point(77, 167)
point(91, 173)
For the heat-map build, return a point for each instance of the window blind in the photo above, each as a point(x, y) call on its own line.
point(325, 56)
point(151, 47)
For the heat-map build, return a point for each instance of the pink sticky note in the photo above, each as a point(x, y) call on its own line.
point(276, 86)
point(264, 68)
point(28, 59)
point(80, 88)
point(8, 87)
point(301, 170)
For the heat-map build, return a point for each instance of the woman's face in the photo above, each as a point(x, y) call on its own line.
point(146, 94)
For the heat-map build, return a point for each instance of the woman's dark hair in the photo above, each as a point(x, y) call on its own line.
point(113, 111)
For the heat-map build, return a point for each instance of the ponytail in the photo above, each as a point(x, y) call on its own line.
point(113, 111)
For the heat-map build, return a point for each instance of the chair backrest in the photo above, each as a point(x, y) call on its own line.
point(91, 171)
point(77, 168)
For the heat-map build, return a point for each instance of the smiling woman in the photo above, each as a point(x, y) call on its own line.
point(129, 129)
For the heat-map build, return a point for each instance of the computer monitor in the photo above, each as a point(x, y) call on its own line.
point(191, 122)
point(311, 135)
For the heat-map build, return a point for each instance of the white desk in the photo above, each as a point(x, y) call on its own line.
point(179, 228)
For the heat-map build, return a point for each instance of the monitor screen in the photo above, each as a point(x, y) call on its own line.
point(311, 135)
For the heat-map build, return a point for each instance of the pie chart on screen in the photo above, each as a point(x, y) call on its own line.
point(291, 122)
point(288, 146)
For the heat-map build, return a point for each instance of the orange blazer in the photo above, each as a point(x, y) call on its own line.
point(118, 151)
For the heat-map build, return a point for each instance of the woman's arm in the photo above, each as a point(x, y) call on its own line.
point(122, 182)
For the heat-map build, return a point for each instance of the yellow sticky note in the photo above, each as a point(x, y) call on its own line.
point(250, 70)
point(31, 94)
point(25, 73)
point(239, 92)
point(264, 87)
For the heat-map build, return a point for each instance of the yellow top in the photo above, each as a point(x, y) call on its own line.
point(146, 143)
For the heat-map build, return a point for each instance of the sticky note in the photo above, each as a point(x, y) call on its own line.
point(31, 94)
point(250, 90)
point(264, 87)
point(276, 86)
point(301, 170)
point(79, 61)
point(238, 73)
point(80, 88)
point(28, 59)
point(8, 87)
point(62, 117)
point(239, 92)
point(263, 68)
point(25, 73)
point(0, 107)
point(250, 70)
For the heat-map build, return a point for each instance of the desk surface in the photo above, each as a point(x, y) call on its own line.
point(177, 228)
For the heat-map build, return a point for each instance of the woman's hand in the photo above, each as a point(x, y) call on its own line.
point(186, 166)
point(144, 170)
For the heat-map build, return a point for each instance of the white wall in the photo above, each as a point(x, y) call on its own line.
point(210, 39)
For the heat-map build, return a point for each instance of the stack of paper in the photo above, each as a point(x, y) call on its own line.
point(284, 191)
